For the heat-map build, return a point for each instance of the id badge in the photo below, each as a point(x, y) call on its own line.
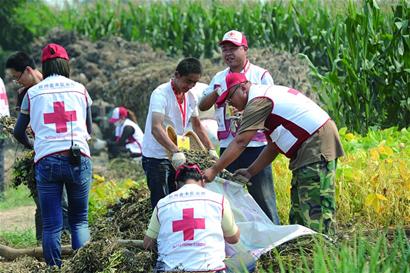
point(183, 143)
point(220, 118)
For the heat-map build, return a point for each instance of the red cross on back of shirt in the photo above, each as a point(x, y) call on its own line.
point(188, 224)
point(60, 117)
point(3, 96)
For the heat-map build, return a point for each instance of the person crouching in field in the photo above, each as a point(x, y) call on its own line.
point(59, 110)
point(296, 127)
point(189, 227)
point(128, 135)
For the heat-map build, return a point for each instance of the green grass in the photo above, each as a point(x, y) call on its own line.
point(19, 238)
point(370, 253)
point(16, 197)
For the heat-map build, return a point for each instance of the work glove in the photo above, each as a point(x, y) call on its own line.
point(178, 159)
point(212, 153)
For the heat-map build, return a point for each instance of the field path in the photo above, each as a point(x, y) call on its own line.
point(20, 218)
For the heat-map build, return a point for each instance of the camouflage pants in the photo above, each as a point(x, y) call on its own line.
point(313, 196)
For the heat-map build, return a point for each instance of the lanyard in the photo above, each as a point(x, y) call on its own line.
point(181, 109)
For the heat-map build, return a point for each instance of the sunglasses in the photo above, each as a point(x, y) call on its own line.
point(229, 98)
point(189, 166)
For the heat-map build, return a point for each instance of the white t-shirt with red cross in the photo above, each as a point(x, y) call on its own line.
point(58, 109)
point(134, 142)
point(4, 103)
point(191, 236)
point(164, 101)
point(294, 116)
point(255, 75)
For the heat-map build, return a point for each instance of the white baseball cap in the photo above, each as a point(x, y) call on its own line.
point(118, 113)
point(235, 37)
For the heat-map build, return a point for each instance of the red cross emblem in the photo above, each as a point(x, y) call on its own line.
point(3, 96)
point(188, 224)
point(60, 117)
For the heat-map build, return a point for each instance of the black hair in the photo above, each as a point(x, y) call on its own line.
point(187, 173)
point(57, 66)
point(19, 61)
point(188, 66)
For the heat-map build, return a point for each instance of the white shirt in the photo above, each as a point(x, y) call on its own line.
point(163, 101)
point(254, 74)
point(134, 142)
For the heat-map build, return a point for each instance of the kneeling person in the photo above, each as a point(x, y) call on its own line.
point(191, 225)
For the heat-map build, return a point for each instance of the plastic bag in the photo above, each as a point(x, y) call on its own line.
point(258, 234)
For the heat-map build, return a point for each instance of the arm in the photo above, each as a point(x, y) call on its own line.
point(150, 238)
point(208, 101)
point(268, 154)
point(229, 227)
point(89, 120)
point(230, 154)
point(201, 132)
point(128, 131)
point(254, 116)
point(19, 131)
point(150, 243)
point(159, 133)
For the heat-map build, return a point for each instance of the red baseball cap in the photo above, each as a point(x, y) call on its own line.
point(234, 37)
point(52, 51)
point(231, 80)
point(118, 113)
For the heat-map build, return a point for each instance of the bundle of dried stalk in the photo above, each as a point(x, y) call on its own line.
point(23, 167)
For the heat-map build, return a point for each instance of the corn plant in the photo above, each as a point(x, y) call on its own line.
point(358, 51)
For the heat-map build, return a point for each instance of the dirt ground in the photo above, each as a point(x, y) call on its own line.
point(17, 219)
point(22, 217)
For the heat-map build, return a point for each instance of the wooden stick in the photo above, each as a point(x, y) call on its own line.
point(10, 253)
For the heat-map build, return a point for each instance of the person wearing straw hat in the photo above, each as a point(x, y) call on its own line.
point(190, 226)
point(171, 104)
point(234, 48)
point(59, 110)
point(128, 135)
point(296, 127)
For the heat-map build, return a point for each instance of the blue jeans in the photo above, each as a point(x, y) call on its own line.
point(160, 177)
point(262, 188)
point(37, 215)
point(52, 172)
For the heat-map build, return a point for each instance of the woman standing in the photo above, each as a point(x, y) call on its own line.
point(59, 110)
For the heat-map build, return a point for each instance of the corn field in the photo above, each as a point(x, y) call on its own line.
point(359, 52)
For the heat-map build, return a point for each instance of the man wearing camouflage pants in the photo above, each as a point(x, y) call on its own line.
point(296, 127)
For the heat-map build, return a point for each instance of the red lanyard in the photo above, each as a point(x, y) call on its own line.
point(182, 110)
